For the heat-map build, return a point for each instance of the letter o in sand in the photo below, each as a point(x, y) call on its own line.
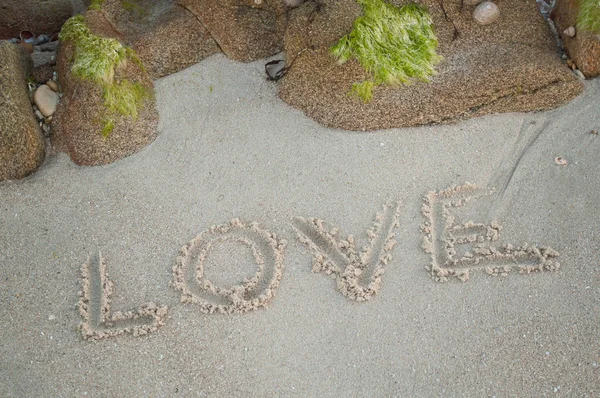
point(254, 292)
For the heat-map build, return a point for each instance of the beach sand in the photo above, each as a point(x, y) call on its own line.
point(230, 149)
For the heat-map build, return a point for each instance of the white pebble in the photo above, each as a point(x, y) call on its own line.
point(486, 13)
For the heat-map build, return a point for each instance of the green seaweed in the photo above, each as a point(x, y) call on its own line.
point(96, 5)
point(96, 58)
point(393, 44)
point(588, 18)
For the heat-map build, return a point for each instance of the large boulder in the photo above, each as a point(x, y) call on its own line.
point(167, 37)
point(22, 147)
point(101, 120)
point(37, 16)
point(174, 42)
point(584, 46)
point(511, 65)
point(245, 30)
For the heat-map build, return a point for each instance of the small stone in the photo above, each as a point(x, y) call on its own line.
point(51, 46)
point(51, 317)
point(486, 13)
point(41, 39)
point(570, 31)
point(579, 74)
point(53, 85)
point(39, 115)
point(46, 100)
point(46, 129)
point(293, 3)
point(560, 161)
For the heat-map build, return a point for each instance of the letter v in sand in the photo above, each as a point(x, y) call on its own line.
point(358, 275)
point(94, 307)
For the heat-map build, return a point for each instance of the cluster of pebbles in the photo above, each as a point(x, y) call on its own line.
point(44, 96)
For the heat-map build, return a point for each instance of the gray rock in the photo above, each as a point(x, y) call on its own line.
point(43, 58)
point(50, 46)
point(293, 3)
point(46, 100)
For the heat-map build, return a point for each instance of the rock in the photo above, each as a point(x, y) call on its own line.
point(34, 15)
point(570, 31)
point(174, 42)
point(22, 147)
point(38, 115)
point(46, 100)
point(583, 47)
point(294, 3)
point(43, 58)
point(53, 85)
point(50, 46)
point(245, 31)
point(510, 66)
point(83, 125)
point(486, 13)
point(41, 39)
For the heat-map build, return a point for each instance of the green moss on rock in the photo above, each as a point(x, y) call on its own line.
point(394, 44)
point(588, 18)
point(96, 58)
point(96, 5)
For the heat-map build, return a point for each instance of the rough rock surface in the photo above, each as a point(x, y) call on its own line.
point(511, 65)
point(245, 30)
point(584, 47)
point(77, 123)
point(167, 37)
point(37, 16)
point(177, 40)
point(22, 147)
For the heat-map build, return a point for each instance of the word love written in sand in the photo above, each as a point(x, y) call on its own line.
point(357, 272)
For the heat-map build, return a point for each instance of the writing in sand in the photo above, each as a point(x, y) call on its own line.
point(457, 249)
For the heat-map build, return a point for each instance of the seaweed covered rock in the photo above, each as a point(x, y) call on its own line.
point(166, 36)
point(38, 16)
point(108, 110)
point(581, 20)
point(245, 30)
point(511, 65)
point(22, 147)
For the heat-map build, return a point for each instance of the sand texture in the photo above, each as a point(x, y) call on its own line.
point(251, 252)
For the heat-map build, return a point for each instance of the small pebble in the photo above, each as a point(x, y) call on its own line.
point(560, 161)
point(570, 31)
point(39, 115)
point(51, 317)
point(293, 3)
point(579, 74)
point(486, 13)
point(53, 85)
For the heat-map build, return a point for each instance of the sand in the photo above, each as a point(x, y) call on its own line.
point(230, 149)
